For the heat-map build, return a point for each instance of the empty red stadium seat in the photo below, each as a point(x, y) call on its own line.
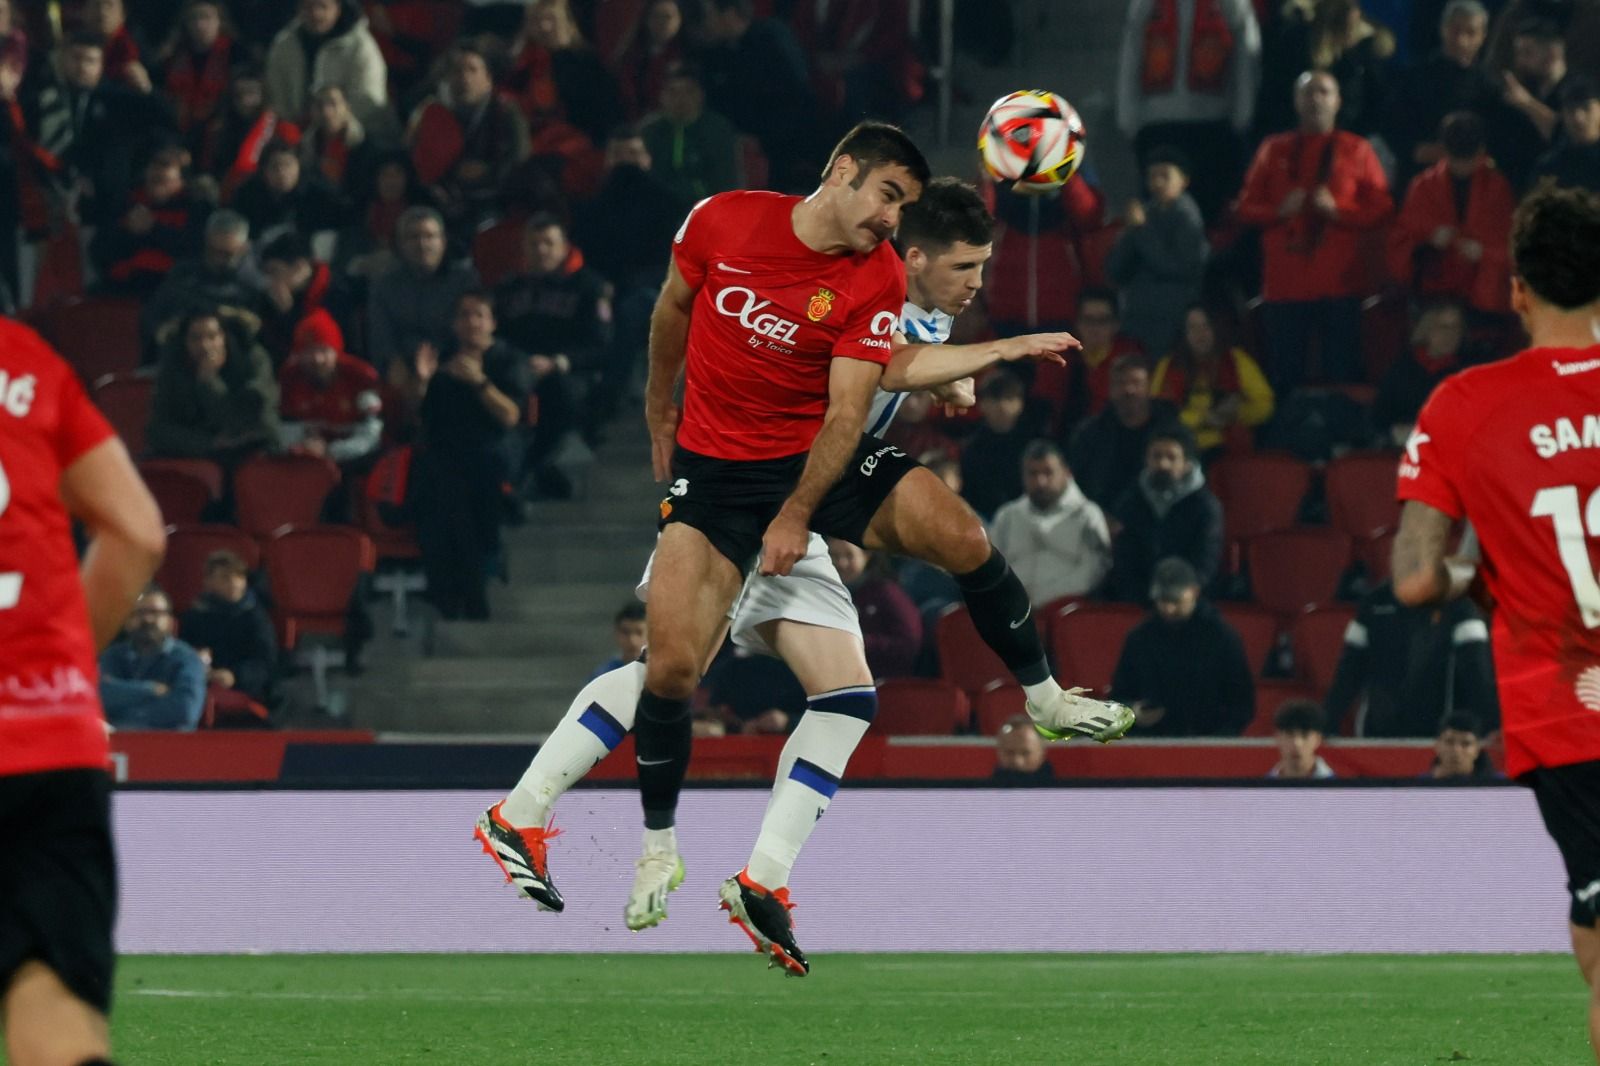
point(313, 573)
point(921, 707)
point(273, 491)
point(1361, 489)
point(181, 494)
point(201, 469)
point(1087, 640)
point(98, 335)
point(964, 659)
point(497, 250)
point(1385, 332)
point(1377, 556)
point(1297, 568)
point(1318, 639)
point(125, 401)
point(1048, 614)
point(1270, 695)
point(1260, 493)
point(181, 574)
point(1257, 629)
point(997, 705)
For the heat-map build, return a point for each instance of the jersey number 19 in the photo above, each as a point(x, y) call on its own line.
point(11, 584)
point(1573, 530)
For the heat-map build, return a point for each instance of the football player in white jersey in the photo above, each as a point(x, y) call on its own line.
point(806, 618)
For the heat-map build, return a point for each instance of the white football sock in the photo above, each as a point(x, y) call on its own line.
point(661, 840)
point(595, 723)
point(1042, 694)
point(809, 770)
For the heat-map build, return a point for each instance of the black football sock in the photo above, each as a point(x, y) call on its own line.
point(1001, 613)
point(662, 736)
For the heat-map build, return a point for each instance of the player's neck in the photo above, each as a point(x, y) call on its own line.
point(815, 228)
point(915, 294)
point(1551, 327)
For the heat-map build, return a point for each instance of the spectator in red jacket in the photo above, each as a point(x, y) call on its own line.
point(891, 628)
point(239, 135)
point(1080, 389)
point(657, 47)
point(109, 19)
point(195, 67)
point(1036, 272)
point(162, 225)
point(329, 399)
point(861, 55)
point(465, 141)
point(1453, 236)
point(556, 76)
point(1314, 192)
point(295, 284)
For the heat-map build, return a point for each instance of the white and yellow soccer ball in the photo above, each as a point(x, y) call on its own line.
point(1032, 137)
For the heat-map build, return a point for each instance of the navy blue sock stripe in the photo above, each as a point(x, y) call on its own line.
point(597, 720)
point(814, 777)
point(859, 703)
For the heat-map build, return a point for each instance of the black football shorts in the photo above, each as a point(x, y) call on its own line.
point(1569, 801)
point(58, 879)
point(732, 501)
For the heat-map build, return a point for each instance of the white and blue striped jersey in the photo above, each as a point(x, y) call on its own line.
point(920, 327)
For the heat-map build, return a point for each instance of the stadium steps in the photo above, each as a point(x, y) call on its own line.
point(571, 567)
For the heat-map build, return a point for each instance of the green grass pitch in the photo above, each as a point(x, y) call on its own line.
point(873, 1010)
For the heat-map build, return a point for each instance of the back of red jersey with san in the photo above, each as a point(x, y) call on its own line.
point(1514, 447)
point(50, 716)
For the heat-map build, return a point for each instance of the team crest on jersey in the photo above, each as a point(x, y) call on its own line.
point(821, 305)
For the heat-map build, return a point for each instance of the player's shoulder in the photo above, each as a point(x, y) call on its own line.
point(1483, 389)
point(27, 360)
point(743, 203)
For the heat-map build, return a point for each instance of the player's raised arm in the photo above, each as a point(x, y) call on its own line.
point(669, 345)
point(851, 386)
point(925, 366)
point(126, 536)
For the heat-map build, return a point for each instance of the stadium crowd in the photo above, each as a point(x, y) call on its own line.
point(390, 265)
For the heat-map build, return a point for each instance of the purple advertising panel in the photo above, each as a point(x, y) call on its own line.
point(1297, 870)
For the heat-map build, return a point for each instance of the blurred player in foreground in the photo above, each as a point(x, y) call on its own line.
point(1514, 449)
point(807, 618)
point(59, 461)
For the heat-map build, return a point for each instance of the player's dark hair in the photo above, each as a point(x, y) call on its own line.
point(1461, 134)
point(878, 144)
point(1002, 385)
point(1043, 449)
point(1299, 716)
point(1103, 295)
point(1555, 245)
point(1179, 434)
point(631, 612)
point(948, 211)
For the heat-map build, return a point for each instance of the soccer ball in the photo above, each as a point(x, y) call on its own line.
point(1032, 137)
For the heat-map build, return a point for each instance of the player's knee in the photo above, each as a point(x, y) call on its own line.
point(671, 676)
point(967, 547)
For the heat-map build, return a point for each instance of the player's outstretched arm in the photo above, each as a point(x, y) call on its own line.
point(126, 535)
point(851, 386)
point(924, 366)
point(669, 346)
point(1423, 574)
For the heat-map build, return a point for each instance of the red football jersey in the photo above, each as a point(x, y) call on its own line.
point(768, 320)
point(1514, 448)
point(50, 716)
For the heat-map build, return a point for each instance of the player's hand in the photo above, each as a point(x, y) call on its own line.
point(1292, 203)
point(784, 544)
point(1443, 237)
point(663, 423)
point(1041, 347)
point(956, 396)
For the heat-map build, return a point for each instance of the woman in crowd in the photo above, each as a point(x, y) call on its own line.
point(216, 396)
point(1219, 390)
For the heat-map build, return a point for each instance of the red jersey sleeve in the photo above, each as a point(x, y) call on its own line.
point(869, 331)
point(80, 425)
point(692, 247)
point(1429, 469)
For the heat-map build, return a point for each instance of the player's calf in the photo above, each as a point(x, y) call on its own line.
point(48, 1025)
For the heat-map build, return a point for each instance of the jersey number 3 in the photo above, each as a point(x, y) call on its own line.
point(1573, 530)
point(10, 584)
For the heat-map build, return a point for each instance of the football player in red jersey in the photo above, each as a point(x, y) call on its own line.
point(59, 460)
point(780, 313)
point(1514, 449)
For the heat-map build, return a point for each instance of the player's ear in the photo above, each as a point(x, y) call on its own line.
point(916, 260)
point(1519, 296)
point(844, 170)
